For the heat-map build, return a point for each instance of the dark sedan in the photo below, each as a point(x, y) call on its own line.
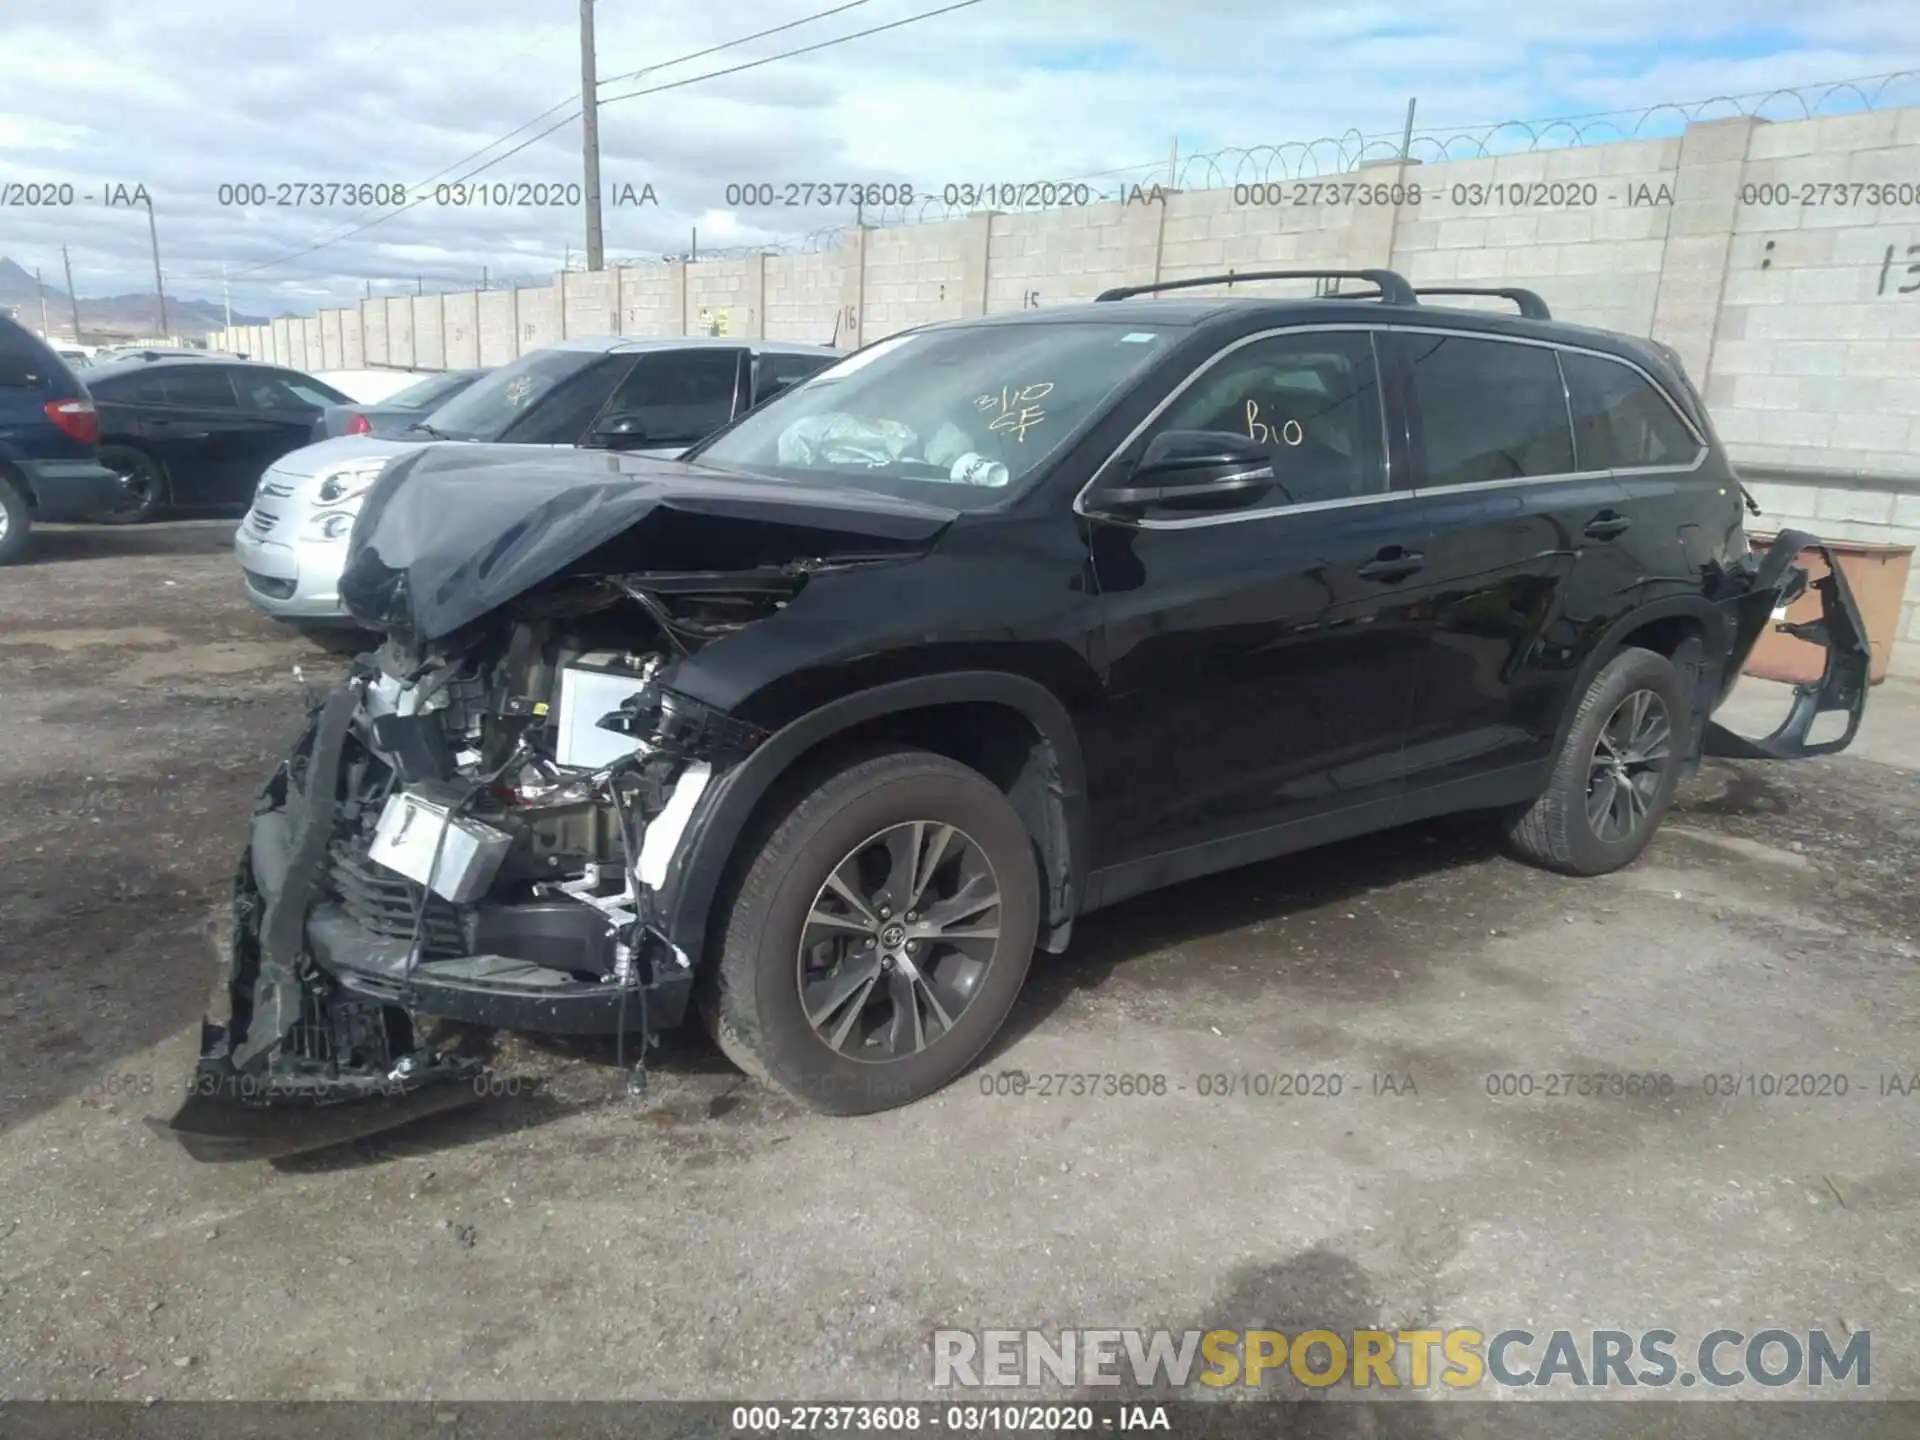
point(195, 434)
point(399, 412)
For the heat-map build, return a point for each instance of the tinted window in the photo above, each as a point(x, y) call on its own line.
point(208, 388)
point(1491, 410)
point(1313, 399)
point(432, 392)
point(782, 372)
point(135, 387)
point(24, 362)
point(679, 396)
point(1619, 420)
point(561, 415)
point(487, 409)
point(279, 391)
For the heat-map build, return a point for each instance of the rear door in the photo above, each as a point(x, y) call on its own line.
point(1516, 558)
point(1260, 661)
point(188, 417)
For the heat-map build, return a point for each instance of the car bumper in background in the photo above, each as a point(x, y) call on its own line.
point(297, 580)
point(69, 490)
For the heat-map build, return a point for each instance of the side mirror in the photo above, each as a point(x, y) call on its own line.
point(622, 431)
point(1194, 470)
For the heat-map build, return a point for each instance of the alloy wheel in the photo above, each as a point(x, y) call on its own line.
point(1629, 764)
point(136, 491)
point(898, 940)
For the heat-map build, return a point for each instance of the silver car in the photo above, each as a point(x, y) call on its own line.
point(657, 396)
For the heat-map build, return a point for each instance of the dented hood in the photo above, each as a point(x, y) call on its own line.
point(456, 531)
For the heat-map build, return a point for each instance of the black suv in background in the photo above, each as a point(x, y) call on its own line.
point(822, 731)
point(49, 442)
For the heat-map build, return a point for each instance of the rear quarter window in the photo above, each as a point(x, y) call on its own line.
point(1620, 421)
point(28, 364)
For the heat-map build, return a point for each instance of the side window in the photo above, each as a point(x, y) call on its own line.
point(1490, 409)
point(782, 372)
point(22, 365)
point(1619, 420)
point(208, 388)
point(679, 396)
point(561, 415)
point(1312, 398)
point(138, 388)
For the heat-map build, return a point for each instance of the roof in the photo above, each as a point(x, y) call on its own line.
point(626, 344)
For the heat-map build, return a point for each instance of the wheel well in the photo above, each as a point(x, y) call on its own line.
point(18, 480)
point(997, 740)
point(1666, 635)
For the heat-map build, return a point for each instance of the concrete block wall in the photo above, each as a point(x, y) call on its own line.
point(720, 295)
point(498, 320)
point(461, 320)
point(651, 299)
point(1796, 309)
point(803, 296)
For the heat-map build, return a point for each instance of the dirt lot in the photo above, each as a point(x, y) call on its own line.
point(713, 1240)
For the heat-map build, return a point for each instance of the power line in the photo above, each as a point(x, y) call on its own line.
point(569, 119)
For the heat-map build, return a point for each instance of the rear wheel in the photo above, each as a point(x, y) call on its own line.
point(879, 935)
point(1615, 774)
point(16, 522)
point(145, 489)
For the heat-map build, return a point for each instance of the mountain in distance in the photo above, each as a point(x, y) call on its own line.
point(110, 317)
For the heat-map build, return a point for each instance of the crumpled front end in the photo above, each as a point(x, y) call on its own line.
point(474, 834)
point(1760, 592)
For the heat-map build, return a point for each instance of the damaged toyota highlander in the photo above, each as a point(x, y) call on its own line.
point(822, 731)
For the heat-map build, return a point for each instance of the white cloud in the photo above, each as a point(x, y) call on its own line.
point(191, 94)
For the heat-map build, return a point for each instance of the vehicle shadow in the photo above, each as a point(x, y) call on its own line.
point(61, 544)
point(1236, 899)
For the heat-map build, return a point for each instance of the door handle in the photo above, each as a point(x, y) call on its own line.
point(1392, 563)
point(1606, 525)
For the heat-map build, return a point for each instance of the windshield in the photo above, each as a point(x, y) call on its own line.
point(962, 416)
point(430, 392)
point(489, 407)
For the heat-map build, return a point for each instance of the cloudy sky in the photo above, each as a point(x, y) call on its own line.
point(186, 96)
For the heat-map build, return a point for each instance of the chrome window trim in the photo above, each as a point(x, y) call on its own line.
point(1703, 448)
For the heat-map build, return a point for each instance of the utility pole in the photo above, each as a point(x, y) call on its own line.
point(226, 299)
point(159, 286)
point(72, 298)
point(41, 286)
point(486, 282)
point(590, 136)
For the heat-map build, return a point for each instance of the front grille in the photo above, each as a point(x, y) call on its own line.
point(268, 585)
point(273, 490)
point(261, 522)
point(383, 902)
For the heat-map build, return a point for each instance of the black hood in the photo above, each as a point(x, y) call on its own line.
point(452, 532)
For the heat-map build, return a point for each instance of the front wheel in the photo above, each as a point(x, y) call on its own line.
point(879, 935)
point(1615, 774)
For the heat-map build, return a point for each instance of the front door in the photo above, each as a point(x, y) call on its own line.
point(1260, 661)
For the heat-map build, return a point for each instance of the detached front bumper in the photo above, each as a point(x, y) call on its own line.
point(1777, 582)
point(324, 987)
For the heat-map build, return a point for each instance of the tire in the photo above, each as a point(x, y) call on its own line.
point(148, 495)
point(753, 1000)
point(1560, 830)
point(16, 522)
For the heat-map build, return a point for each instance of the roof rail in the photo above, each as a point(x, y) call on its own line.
point(1531, 305)
point(1394, 290)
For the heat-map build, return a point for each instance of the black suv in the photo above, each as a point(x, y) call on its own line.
point(825, 729)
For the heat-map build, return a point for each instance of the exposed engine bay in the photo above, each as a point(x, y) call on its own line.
point(474, 830)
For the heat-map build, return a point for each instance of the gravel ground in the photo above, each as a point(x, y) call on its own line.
point(712, 1240)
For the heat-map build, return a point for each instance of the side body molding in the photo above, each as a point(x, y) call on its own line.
point(692, 882)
